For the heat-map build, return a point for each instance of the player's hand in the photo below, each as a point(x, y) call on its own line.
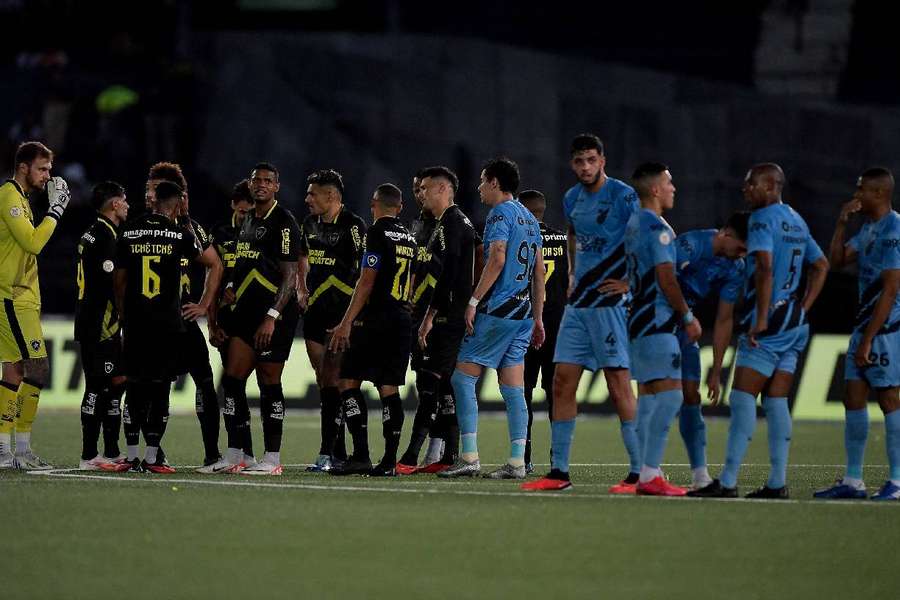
point(537, 334)
point(228, 296)
point(571, 289)
point(757, 331)
point(693, 330)
point(58, 193)
point(470, 320)
point(192, 312)
point(861, 356)
point(424, 330)
point(340, 337)
point(849, 209)
point(713, 385)
point(302, 298)
point(613, 286)
point(263, 335)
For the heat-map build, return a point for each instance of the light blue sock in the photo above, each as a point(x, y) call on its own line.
point(778, 417)
point(740, 432)
point(667, 405)
point(466, 409)
point(561, 434)
point(517, 420)
point(632, 445)
point(856, 432)
point(645, 406)
point(892, 439)
point(693, 432)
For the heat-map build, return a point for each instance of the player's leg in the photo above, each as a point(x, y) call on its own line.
point(134, 413)
point(359, 362)
point(391, 429)
point(112, 419)
point(532, 369)
point(779, 427)
point(235, 410)
point(35, 375)
point(90, 421)
point(157, 394)
point(428, 389)
point(889, 401)
point(206, 401)
point(690, 419)
point(446, 428)
point(618, 382)
point(856, 432)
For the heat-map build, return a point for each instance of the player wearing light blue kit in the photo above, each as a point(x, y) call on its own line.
point(658, 310)
point(779, 245)
point(873, 357)
point(593, 333)
point(709, 264)
point(503, 316)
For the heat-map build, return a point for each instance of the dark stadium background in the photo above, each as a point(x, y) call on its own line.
point(377, 89)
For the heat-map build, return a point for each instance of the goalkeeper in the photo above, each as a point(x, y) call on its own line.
point(22, 350)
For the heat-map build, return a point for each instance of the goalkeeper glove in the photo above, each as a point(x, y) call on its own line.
point(58, 192)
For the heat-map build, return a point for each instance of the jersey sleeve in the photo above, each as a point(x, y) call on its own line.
point(498, 226)
point(629, 204)
point(890, 247)
point(30, 238)
point(302, 243)
point(760, 237)
point(686, 251)
point(813, 251)
point(289, 247)
point(189, 245)
point(854, 242)
point(658, 241)
point(454, 238)
point(569, 203)
point(202, 235)
point(375, 248)
point(731, 290)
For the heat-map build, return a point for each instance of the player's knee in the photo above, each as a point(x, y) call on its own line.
point(37, 370)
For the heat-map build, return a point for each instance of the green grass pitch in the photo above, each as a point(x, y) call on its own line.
point(71, 535)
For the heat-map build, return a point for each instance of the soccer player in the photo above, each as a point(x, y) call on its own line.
point(98, 332)
point(193, 350)
point(26, 369)
point(778, 247)
point(592, 334)
point(375, 334)
point(330, 254)
point(873, 356)
point(709, 263)
point(554, 251)
point(442, 287)
point(502, 317)
point(147, 284)
point(262, 323)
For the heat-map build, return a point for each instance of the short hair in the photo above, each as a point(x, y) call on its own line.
point(877, 173)
point(586, 141)
point(265, 166)
point(442, 172)
point(327, 177)
point(505, 171)
point(104, 192)
point(28, 152)
point(241, 192)
point(389, 195)
point(168, 190)
point(168, 171)
point(643, 175)
point(531, 195)
point(738, 222)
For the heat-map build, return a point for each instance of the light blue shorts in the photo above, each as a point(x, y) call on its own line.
point(690, 358)
point(778, 352)
point(497, 343)
point(595, 338)
point(884, 372)
point(656, 356)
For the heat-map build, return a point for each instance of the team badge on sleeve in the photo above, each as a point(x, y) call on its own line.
point(664, 238)
point(108, 266)
point(15, 212)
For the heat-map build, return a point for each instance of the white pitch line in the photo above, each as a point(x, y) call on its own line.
point(443, 490)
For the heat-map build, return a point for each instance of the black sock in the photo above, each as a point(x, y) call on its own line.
point(356, 415)
point(271, 407)
point(528, 393)
point(391, 426)
point(158, 413)
point(235, 411)
point(448, 423)
point(330, 402)
point(92, 406)
point(207, 407)
point(339, 449)
point(135, 412)
point(428, 388)
point(112, 419)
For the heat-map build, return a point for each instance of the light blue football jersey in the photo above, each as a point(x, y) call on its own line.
point(878, 247)
point(701, 274)
point(649, 241)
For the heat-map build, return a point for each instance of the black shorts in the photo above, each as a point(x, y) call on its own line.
point(442, 347)
point(319, 318)
point(541, 360)
point(379, 352)
point(193, 352)
point(243, 325)
point(152, 356)
point(102, 359)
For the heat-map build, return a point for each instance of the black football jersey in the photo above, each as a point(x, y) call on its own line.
point(193, 274)
point(96, 317)
point(446, 278)
point(223, 236)
point(390, 249)
point(556, 266)
point(150, 250)
point(334, 251)
point(263, 244)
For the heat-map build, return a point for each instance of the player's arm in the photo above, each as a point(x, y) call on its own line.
point(120, 280)
point(839, 252)
point(762, 282)
point(287, 264)
point(209, 258)
point(538, 295)
point(722, 330)
point(443, 286)
point(815, 281)
point(302, 272)
point(340, 335)
point(890, 279)
point(30, 238)
point(668, 283)
point(571, 244)
point(493, 266)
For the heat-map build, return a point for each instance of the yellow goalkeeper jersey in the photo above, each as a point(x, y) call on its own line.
point(20, 242)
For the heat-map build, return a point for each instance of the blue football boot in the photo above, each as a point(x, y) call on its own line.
point(841, 491)
point(888, 491)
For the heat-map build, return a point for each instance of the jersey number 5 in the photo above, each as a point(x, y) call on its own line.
point(149, 278)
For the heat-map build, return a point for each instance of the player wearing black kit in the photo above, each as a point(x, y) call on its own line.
point(441, 291)
point(147, 283)
point(376, 330)
point(556, 279)
point(331, 248)
point(262, 322)
point(98, 333)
